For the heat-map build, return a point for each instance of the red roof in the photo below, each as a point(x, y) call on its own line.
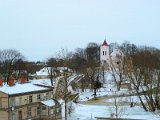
point(105, 43)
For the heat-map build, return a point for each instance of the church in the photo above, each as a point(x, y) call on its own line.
point(107, 53)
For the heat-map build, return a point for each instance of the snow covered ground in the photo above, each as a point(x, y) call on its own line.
point(89, 112)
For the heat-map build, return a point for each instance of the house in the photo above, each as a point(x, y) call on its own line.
point(45, 72)
point(29, 100)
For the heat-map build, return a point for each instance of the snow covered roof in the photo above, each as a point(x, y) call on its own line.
point(49, 103)
point(44, 71)
point(26, 87)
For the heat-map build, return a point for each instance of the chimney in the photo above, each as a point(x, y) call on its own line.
point(23, 79)
point(1, 82)
point(11, 81)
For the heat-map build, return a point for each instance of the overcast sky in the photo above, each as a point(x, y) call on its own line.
point(40, 28)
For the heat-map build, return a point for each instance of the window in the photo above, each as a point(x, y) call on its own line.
point(20, 100)
point(43, 108)
point(29, 111)
point(51, 111)
point(12, 102)
point(13, 116)
point(58, 110)
point(47, 95)
point(38, 110)
point(103, 52)
point(43, 111)
point(117, 62)
point(30, 99)
point(38, 97)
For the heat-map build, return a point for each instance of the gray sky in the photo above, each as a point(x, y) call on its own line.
point(39, 28)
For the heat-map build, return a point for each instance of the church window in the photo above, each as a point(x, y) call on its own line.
point(103, 52)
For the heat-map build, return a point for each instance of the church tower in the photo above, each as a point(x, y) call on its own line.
point(104, 53)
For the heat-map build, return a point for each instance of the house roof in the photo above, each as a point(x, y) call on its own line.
point(31, 86)
point(49, 103)
point(44, 71)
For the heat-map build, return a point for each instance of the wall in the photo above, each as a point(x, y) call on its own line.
point(4, 100)
point(3, 115)
point(24, 99)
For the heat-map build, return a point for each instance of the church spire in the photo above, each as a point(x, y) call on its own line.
point(105, 43)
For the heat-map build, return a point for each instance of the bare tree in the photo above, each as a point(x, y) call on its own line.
point(143, 72)
point(92, 52)
point(117, 68)
point(51, 66)
point(70, 108)
point(65, 56)
point(95, 79)
point(8, 57)
point(19, 68)
point(117, 110)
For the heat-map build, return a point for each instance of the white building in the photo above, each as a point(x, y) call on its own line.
point(106, 55)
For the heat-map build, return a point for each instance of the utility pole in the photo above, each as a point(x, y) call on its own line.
point(65, 94)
